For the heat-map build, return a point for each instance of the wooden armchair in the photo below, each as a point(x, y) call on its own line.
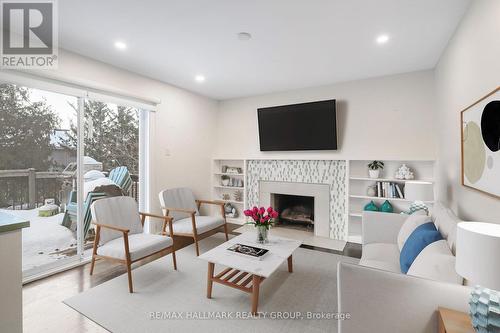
point(120, 237)
point(181, 205)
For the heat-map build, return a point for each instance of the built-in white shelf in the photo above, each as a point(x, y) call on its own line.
point(229, 187)
point(358, 181)
point(392, 180)
point(233, 202)
point(218, 190)
point(383, 198)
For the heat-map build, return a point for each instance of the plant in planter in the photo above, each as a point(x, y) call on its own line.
point(225, 180)
point(374, 168)
point(263, 219)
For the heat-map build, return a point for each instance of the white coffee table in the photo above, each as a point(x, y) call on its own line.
point(241, 271)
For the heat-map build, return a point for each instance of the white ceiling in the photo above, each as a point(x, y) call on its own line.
point(295, 44)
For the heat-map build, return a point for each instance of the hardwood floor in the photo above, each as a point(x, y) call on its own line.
point(43, 307)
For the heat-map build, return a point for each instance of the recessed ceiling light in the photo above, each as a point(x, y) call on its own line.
point(120, 45)
point(382, 39)
point(244, 36)
point(199, 78)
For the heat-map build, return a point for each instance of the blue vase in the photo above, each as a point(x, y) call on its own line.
point(371, 207)
point(387, 207)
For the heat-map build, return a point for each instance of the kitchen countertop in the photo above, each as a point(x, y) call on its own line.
point(10, 222)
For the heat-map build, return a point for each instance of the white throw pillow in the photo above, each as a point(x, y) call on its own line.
point(411, 223)
point(436, 262)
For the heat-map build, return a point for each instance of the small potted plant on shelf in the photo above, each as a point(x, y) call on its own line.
point(263, 219)
point(374, 168)
point(225, 180)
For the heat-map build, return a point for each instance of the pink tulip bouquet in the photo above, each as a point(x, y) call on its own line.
point(261, 217)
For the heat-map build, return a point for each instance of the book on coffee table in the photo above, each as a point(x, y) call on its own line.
point(248, 251)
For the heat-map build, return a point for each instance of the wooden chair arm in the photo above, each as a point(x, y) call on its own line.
point(162, 217)
point(112, 227)
point(210, 202)
point(180, 210)
point(213, 202)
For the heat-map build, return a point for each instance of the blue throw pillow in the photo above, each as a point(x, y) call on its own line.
point(422, 236)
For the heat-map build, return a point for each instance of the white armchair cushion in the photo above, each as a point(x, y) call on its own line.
point(411, 223)
point(140, 245)
point(119, 212)
point(203, 224)
point(436, 262)
point(383, 256)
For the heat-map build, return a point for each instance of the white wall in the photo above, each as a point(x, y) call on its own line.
point(468, 70)
point(184, 124)
point(390, 117)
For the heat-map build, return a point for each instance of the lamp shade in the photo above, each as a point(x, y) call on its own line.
point(478, 248)
point(419, 191)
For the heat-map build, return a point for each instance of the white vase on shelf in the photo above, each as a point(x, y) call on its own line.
point(374, 173)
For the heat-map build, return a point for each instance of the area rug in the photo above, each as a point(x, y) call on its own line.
point(166, 300)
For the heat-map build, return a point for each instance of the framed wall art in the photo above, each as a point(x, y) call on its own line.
point(481, 144)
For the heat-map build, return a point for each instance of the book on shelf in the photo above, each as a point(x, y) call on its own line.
point(389, 190)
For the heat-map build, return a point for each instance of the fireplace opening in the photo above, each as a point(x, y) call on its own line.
point(295, 211)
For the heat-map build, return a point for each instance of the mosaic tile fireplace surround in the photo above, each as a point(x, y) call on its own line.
point(330, 172)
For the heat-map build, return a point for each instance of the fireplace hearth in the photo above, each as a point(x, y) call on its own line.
point(295, 211)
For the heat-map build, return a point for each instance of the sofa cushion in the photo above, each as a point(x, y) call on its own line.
point(422, 236)
point(436, 262)
point(140, 245)
point(383, 256)
point(410, 224)
point(203, 224)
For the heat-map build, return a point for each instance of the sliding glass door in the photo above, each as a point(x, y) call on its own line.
point(37, 172)
point(58, 154)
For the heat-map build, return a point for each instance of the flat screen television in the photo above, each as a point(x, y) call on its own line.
point(305, 126)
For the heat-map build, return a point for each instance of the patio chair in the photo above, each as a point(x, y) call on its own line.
point(181, 205)
point(121, 177)
point(120, 236)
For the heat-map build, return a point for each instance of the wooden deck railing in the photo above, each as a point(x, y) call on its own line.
point(28, 188)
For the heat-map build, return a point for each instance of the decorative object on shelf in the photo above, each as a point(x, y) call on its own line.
point(404, 172)
point(225, 180)
point(371, 191)
point(386, 207)
point(234, 170)
point(418, 192)
point(481, 144)
point(371, 207)
point(478, 245)
point(374, 168)
point(226, 196)
point(224, 169)
point(230, 210)
point(238, 195)
point(263, 219)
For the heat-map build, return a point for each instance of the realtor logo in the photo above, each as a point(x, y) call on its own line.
point(29, 34)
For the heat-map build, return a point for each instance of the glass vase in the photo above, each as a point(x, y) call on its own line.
point(262, 234)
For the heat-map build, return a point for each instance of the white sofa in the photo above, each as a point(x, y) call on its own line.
point(380, 298)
